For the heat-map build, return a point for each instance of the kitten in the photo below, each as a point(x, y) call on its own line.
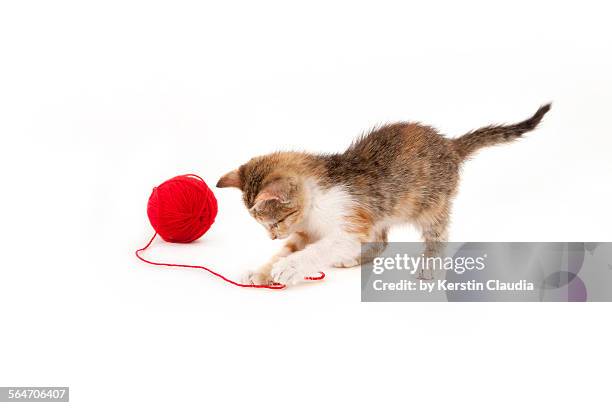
point(327, 205)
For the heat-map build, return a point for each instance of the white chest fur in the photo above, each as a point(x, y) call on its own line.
point(327, 209)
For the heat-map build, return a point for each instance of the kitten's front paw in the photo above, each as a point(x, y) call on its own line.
point(347, 264)
point(256, 278)
point(288, 271)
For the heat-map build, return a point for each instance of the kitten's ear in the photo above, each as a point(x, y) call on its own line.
point(231, 179)
point(279, 190)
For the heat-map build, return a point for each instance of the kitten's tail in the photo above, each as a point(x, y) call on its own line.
point(467, 144)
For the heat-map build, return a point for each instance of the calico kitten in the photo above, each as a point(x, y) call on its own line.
point(327, 205)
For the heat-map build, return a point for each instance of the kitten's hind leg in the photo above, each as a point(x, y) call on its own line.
point(434, 231)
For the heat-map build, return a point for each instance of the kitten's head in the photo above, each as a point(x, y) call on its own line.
point(272, 193)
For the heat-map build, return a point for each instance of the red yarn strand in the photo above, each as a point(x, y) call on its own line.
point(242, 285)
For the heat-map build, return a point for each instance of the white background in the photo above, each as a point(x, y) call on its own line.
point(100, 101)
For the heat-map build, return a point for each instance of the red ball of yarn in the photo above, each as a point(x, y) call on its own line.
point(182, 209)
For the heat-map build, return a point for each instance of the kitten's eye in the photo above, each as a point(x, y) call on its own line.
point(285, 217)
